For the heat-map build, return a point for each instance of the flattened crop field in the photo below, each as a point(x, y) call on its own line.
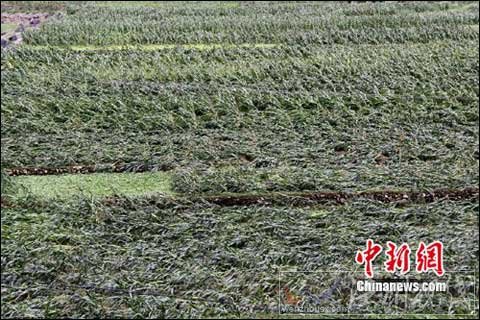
point(174, 159)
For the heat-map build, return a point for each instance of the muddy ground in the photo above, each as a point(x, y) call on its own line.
point(22, 21)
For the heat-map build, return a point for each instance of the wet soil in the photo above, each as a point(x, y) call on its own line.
point(385, 196)
point(85, 169)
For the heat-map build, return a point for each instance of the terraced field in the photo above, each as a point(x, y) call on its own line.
point(172, 159)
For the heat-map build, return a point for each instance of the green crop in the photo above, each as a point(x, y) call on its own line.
point(219, 104)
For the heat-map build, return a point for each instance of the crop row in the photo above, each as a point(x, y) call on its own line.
point(330, 36)
point(298, 24)
point(404, 115)
point(288, 69)
point(133, 88)
point(330, 156)
point(255, 118)
point(87, 259)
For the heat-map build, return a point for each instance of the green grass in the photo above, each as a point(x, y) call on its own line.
point(97, 185)
point(155, 4)
point(7, 27)
point(155, 47)
point(127, 4)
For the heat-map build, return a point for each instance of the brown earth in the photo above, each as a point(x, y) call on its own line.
point(386, 196)
point(85, 169)
point(23, 21)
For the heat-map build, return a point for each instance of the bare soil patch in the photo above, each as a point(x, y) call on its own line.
point(23, 21)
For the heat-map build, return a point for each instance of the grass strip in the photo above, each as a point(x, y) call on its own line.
point(97, 185)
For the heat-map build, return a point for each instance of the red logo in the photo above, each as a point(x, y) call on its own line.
point(428, 257)
point(398, 258)
point(367, 256)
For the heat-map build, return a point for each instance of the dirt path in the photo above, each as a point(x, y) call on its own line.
point(299, 199)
